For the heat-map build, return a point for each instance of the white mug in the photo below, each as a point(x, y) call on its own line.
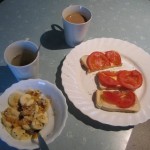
point(75, 32)
point(26, 49)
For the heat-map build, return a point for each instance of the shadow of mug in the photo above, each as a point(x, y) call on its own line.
point(54, 39)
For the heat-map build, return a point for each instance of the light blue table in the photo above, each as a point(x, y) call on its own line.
point(38, 21)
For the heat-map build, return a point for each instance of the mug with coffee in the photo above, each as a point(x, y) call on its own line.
point(22, 57)
point(76, 20)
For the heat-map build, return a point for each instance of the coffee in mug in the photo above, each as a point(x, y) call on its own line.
point(25, 58)
point(76, 18)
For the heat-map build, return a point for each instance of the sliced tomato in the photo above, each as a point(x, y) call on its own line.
point(111, 96)
point(127, 99)
point(122, 99)
point(108, 78)
point(114, 57)
point(130, 79)
point(97, 60)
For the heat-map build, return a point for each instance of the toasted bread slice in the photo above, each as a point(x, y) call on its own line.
point(84, 64)
point(102, 87)
point(100, 103)
point(83, 61)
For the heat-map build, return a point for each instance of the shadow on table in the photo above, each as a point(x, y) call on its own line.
point(6, 78)
point(79, 115)
point(54, 39)
point(4, 146)
point(1, 1)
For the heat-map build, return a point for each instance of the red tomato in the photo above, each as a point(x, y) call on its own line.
point(122, 99)
point(97, 60)
point(113, 57)
point(127, 99)
point(130, 79)
point(111, 96)
point(108, 78)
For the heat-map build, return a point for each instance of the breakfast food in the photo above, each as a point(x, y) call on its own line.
point(117, 101)
point(101, 60)
point(123, 79)
point(116, 89)
point(26, 114)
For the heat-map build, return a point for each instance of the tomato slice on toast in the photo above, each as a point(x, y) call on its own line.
point(108, 79)
point(127, 99)
point(110, 96)
point(122, 99)
point(130, 79)
point(114, 57)
point(97, 60)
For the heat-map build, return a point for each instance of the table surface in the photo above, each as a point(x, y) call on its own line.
point(40, 21)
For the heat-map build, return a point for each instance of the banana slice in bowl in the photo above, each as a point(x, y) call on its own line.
point(14, 98)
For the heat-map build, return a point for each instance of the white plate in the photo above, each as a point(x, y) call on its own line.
point(49, 132)
point(80, 87)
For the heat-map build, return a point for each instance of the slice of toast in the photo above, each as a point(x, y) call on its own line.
point(83, 61)
point(102, 104)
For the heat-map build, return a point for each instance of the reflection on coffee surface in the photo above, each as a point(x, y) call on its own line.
point(76, 18)
point(25, 58)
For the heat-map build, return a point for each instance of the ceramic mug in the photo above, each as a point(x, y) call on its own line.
point(22, 57)
point(75, 32)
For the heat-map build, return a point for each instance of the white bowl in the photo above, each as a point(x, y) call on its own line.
point(59, 106)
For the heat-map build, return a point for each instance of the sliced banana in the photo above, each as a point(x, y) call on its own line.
point(6, 123)
point(47, 104)
point(26, 122)
point(14, 99)
point(26, 127)
point(8, 129)
point(35, 93)
point(36, 109)
point(29, 118)
point(17, 132)
point(26, 112)
point(29, 110)
point(42, 117)
point(11, 113)
point(44, 104)
point(26, 100)
point(37, 125)
point(25, 136)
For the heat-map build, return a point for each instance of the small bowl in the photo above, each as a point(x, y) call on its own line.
point(59, 107)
